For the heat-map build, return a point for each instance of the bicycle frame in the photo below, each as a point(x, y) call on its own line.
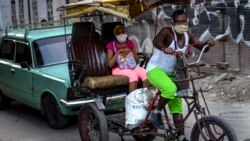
point(193, 105)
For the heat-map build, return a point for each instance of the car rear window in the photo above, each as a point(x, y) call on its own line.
point(7, 50)
point(51, 51)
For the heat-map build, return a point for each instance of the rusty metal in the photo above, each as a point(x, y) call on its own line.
point(127, 9)
point(190, 79)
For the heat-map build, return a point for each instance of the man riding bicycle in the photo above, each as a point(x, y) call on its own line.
point(171, 43)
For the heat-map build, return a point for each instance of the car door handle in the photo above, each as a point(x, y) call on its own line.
point(13, 70)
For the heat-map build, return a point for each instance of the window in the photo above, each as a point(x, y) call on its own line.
point(51, 51)
point(21, 13)
point(35, 12)
point(50, 11)
point(23, 53)
point(13, 14)
point(7, 50)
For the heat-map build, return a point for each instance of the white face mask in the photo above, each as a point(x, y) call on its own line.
point(122, 38)
point(180, 29)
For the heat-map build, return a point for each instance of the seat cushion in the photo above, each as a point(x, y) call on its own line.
point(102, 82)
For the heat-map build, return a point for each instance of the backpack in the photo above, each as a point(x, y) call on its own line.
point(125, 62)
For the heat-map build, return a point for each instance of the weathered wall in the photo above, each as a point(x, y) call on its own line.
point(227, 21)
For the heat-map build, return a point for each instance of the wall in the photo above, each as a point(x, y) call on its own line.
point(222, 20)
point(5, 16)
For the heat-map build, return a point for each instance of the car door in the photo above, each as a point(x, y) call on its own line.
point(22, 77)
point(7, 49)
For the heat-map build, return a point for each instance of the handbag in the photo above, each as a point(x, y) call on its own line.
point(181, 73)
point(125, 62)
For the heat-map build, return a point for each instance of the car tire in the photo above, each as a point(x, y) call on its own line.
point(5, 102)
point(55, 117)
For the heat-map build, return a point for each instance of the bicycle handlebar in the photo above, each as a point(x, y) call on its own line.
point(194, 63)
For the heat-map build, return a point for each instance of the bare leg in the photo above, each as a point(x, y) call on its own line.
point(145, 84)
point(132, 86)
point(161, 103)
point(179, 123)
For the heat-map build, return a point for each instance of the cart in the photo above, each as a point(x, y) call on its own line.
point(102, 92)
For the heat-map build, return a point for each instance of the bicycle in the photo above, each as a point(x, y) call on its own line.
point(95, 126)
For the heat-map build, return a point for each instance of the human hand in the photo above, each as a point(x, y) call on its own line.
point(168, 50)
point(177, 53)
point(122, 50)
point(210, 42)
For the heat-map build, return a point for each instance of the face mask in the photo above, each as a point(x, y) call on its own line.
point(121, 38)
point(180, 29)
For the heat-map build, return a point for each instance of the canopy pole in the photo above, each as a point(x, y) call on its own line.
point(156, 25)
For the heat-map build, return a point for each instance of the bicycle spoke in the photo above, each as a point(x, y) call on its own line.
point(209, 132)
point(91, 131)
point(221, 138)
point(212, 132)
point(93, 127)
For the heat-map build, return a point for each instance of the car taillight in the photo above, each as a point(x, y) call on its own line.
point(73, 94)
point(70, 94)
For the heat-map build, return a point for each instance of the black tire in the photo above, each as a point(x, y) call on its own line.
point(92, 123)
point(53, 113)
point(146, 137)
point(210, 123)
point(5, 102)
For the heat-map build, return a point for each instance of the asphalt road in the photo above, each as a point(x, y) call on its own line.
point(21, 123)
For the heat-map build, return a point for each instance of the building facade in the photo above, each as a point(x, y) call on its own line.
point(17, 13)
point(226, 21)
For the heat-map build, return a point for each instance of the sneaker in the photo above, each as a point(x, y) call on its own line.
point(185, 139)
point(157, 120)
point(131, 126)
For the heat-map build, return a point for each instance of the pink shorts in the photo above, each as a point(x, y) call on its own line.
point(133, 75)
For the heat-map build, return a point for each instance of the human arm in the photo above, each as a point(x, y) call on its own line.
point(134, 51)
point(195, 42)
point(112, 55)
point(111, 58)
point(161, 41)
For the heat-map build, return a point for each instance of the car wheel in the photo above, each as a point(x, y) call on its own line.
point(55, 118)
point(92, 123)
point(5, 102)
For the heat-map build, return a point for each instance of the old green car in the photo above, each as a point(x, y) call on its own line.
point(34, 71)
point(39, 69)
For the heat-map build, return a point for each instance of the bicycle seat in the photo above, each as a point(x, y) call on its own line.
point(185, 93)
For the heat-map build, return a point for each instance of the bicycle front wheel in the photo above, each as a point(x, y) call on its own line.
point(213, 128)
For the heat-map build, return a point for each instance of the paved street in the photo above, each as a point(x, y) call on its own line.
point(21, 123)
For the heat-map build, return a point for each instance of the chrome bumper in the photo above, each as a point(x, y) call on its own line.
point(109, 100)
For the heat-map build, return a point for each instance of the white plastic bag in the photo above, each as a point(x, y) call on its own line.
point(136, 104)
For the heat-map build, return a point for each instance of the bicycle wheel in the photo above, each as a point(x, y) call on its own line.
point(214, 129)
point(146, 137)
point(92, 123)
